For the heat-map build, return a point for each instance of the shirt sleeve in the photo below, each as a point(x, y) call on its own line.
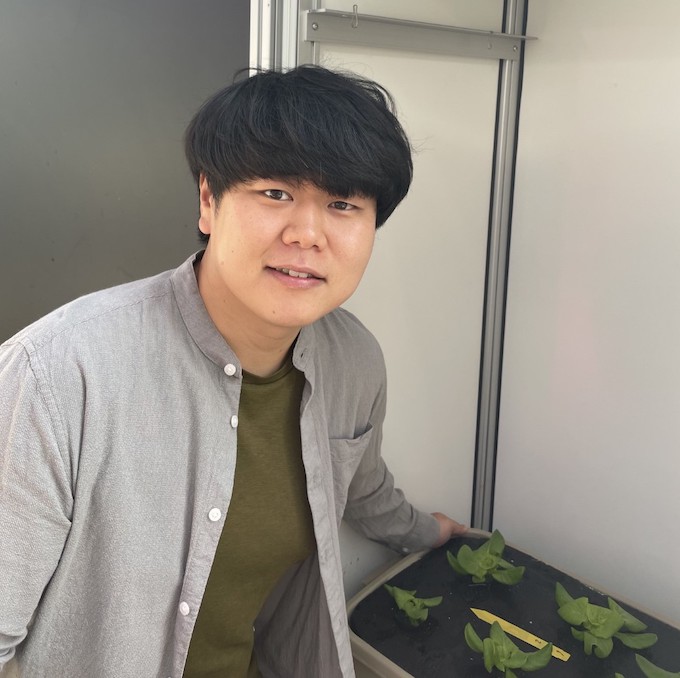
point(35, 495)
point(375, 507)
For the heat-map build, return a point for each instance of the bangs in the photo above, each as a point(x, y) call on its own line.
point(334, 131)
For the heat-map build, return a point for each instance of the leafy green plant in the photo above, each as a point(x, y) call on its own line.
point(501, 653)
point(600, 625)
point(651, 670)
point(415, 609)
point(486, 561)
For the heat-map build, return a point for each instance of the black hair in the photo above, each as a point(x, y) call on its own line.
point(337, 131)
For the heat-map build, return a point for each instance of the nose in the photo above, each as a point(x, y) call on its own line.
point(305, 226)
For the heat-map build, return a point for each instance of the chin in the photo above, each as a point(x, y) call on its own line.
point(297, 320)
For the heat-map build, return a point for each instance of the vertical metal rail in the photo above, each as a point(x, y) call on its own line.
point(307, 52)
point(274, 26)
point(509, 89)
point(261, 34)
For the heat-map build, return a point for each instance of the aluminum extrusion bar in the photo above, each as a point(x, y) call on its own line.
point(496, 278)
point(324, 25)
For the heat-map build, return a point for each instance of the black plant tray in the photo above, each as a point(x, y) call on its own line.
point(438, 649)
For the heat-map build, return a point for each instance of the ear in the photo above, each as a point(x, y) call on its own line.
point(206, 201)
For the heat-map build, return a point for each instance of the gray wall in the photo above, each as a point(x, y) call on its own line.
point(94, 98)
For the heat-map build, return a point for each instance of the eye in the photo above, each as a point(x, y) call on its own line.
point(277, 194)
point(342, 205)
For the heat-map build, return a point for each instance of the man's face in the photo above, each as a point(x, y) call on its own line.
point(281, 255)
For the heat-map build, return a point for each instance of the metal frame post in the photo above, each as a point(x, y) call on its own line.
point(507, 118)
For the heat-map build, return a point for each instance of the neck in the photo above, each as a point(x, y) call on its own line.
point(258, 360)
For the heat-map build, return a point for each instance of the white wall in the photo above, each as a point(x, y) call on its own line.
point(589, 441)
point(422, 295)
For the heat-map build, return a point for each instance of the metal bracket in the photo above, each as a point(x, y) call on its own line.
point(327, 25)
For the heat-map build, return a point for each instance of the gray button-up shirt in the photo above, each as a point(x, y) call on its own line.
point(117, 457)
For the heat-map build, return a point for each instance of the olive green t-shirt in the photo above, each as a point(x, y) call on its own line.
point(268, 526)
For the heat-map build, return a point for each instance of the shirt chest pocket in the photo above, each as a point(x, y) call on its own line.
point(346, 455)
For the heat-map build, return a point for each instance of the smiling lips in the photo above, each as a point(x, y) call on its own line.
point(297, 274)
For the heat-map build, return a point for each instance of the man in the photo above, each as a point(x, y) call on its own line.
point(178, 452)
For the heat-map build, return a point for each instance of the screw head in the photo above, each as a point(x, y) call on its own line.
point(315, 27)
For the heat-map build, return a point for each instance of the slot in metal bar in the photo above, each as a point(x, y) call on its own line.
point(325, 25)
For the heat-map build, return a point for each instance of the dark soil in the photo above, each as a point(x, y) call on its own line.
point(439, 649)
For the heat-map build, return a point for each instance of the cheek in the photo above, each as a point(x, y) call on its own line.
point(355, 258)
point(361, 267)
point(236, 247)
point(363, 251)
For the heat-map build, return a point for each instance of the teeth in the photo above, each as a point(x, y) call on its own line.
point(295, 274)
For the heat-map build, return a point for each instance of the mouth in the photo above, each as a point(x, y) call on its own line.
point(297, 274)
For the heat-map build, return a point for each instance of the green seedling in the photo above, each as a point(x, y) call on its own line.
point(600, 625)
point(501, 653)
point(415, 609)
point(651, 670)
point(486, 561)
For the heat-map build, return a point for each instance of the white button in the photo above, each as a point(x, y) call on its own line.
point(230, 370)
point(214, 514)
point(184, 608)
point(234, 421)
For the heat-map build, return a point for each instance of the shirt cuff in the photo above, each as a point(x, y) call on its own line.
point(424, 534)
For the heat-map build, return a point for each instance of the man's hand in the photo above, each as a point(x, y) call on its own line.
point(448, 528)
